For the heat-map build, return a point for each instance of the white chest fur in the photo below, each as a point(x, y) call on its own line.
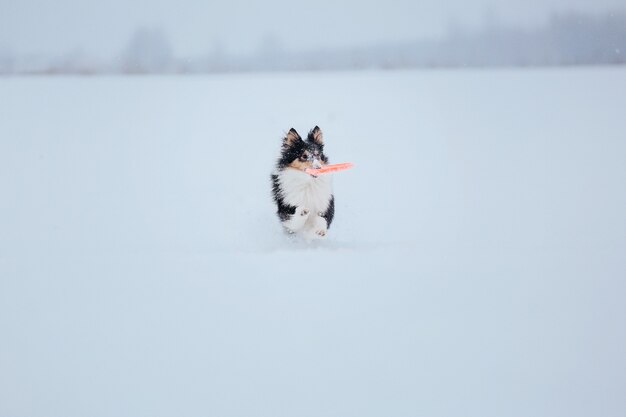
point(302, 190)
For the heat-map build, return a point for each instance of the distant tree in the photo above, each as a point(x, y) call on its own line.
point(271, 54)
point(148, 51)
point(75, 61)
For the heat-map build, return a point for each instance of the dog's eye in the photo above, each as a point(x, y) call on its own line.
point(304, 157)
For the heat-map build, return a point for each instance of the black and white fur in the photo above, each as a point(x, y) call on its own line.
point(305, 203)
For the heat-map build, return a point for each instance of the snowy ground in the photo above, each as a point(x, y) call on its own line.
point(476, 266)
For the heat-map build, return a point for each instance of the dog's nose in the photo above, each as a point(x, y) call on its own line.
point(316, 163)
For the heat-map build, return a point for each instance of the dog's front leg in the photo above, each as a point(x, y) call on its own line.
point(297, 220)
point(320, 226)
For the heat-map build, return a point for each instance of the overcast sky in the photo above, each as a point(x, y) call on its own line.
point(102, 27)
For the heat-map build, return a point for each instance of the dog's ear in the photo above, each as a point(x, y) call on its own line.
point(292, 138)
point(315, 135)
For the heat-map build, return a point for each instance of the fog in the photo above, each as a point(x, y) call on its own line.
point(37, 36)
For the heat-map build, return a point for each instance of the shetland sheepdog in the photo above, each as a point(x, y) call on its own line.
point(305, 203)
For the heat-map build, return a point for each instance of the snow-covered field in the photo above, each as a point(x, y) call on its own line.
point(476, 266)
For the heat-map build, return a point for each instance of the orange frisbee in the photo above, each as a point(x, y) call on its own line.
point(329, 169)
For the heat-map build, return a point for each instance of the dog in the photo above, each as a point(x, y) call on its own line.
point(305, 203)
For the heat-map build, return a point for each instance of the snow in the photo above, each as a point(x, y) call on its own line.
point(476, 264)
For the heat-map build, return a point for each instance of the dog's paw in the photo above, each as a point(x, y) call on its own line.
point(302, 211)
point(321, 232)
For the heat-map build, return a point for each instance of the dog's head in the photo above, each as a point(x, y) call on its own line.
point(299, 154)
